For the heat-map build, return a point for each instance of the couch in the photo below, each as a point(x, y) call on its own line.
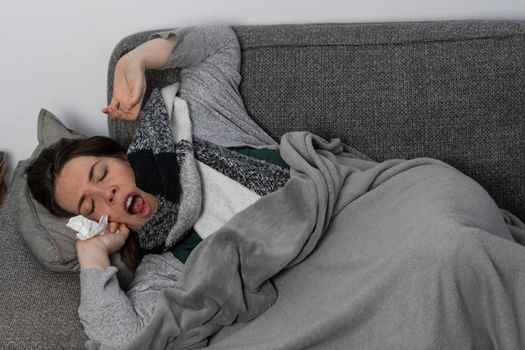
point(452, 90)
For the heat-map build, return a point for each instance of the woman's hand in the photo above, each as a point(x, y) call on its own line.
point(114, 237)
point(95, 251)
point(129, 86)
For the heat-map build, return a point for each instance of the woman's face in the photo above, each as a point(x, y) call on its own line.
point(94, 186)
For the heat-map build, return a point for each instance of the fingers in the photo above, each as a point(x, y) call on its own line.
point(113, 108)
point(123, 232)
point(113, 105)
point(123, 229)
point(116, 227)
point(120, 114)
point(112, 227)
point(115, 237)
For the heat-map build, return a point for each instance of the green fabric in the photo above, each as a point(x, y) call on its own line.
point(269, 155)
point(183, 249)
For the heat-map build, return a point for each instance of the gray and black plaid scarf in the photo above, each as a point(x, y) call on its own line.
point(166, 167)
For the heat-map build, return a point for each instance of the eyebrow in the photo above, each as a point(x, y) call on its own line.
point(90, 179)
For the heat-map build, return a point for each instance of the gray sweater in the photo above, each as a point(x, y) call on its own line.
point(209, 58)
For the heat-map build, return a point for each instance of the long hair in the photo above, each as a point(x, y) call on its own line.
point(43, 171)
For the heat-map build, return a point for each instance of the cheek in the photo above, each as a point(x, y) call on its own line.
point(130, 176)
point(112, 213)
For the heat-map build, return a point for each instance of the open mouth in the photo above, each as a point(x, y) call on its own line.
point(135, 204)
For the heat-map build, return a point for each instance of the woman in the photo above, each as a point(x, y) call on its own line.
point(82, 179)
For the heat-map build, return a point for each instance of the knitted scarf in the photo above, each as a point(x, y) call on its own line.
point(164, 162)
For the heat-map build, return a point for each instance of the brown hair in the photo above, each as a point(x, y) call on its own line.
point(44, 169)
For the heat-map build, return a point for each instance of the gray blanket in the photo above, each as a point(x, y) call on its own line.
point(405, 254)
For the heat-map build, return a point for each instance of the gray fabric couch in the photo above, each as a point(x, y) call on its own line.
point(448, 90)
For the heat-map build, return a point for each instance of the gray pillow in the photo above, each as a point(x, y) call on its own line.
point(46, 235)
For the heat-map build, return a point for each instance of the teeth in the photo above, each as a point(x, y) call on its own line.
point(128, 202)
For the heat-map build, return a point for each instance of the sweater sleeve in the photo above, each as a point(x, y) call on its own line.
point(105, 312)
point(211, 44)
point(210, 62)
point(113, 318)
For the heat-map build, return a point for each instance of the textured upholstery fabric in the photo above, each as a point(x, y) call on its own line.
point(39, 307)
point(447, 90)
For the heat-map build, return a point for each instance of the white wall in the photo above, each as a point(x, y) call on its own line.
point(54, 53)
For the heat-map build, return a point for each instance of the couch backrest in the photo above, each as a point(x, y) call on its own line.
point(448, 90)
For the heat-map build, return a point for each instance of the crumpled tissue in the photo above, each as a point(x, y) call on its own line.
point(86, 228)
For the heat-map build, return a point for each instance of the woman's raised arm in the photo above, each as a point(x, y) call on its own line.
point(130, 83)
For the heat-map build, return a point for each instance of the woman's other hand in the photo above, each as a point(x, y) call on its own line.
point(129, 86)
point(95, 251)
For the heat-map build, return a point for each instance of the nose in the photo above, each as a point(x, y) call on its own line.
point(111, 195)
point(108, 194)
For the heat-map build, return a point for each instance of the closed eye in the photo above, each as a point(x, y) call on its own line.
point(103, 175)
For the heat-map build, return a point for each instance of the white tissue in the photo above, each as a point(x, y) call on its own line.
point(87, 228)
